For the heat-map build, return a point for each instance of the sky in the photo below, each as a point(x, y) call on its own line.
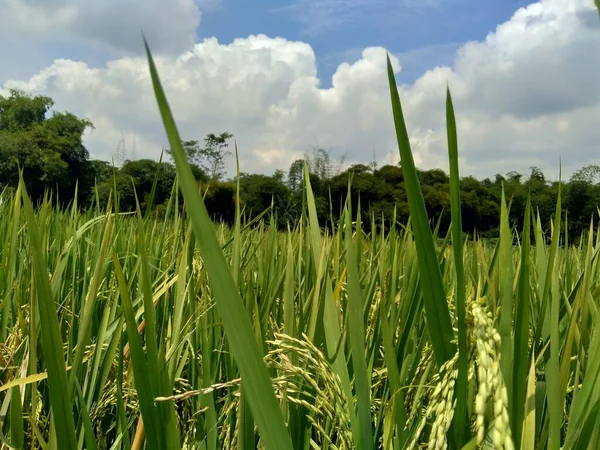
point(289, 76)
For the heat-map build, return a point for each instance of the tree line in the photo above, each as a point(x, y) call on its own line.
point(49, 150)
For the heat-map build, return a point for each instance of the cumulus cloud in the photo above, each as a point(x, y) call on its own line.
point(524, 96)
point(211, 88)
point(171, 24)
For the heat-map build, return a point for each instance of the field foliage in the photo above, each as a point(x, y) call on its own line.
point(126, 331)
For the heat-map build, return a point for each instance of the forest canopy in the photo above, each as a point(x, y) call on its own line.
point(48, 148)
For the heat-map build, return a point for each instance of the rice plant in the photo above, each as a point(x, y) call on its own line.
point(126, 331)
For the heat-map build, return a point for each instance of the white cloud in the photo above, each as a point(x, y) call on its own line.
point(524, 96)
point(211, 89)
point(169, 24)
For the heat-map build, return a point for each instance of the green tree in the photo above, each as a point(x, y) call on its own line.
point(296, 175)
point(436, 193)
point(143, 172)
point(140, 175)
point(479, 206)
point(220, 200)
point(211, 157)
point(589, 174)
point(393, 178)
point(582, 199)
point(320, 163)
point(374, 195)
point(259, 192)
point(543, 195)
point(49, 150)
point(98, 171)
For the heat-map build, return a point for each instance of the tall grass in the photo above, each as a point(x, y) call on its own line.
point(125, 331)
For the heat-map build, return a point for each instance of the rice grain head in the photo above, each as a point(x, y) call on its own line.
point(490, 382)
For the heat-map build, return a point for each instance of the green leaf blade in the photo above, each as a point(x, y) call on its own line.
point(434, 296)
point(238, 328)
point(460, 415)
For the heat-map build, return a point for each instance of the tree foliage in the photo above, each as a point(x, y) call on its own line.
point(211, 157)
point(47, 147)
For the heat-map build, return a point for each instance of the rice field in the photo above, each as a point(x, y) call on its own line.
point(124, 331)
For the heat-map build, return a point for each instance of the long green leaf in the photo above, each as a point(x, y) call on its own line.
point(237, 325)
point(522, 327)
point(505, 277)
point(434, 296)
point(60, 398)
point(553, 368)
point(141, 373)
point(16, 419)
point(460, 414)
point(357, 335)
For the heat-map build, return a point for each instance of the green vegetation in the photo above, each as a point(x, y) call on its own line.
point(124, 326)
point(53, 160)
point(49, 149)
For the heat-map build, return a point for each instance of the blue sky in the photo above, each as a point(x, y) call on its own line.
point(523, 76)
point(425, 36)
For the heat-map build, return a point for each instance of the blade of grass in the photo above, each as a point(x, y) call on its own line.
point(121, 418)
point(11, 262)
point(158, 378)
point(88, 432)
point(588, 437)
point(553, 367)
point(460, 413)
point(237, 237)
point(289, 311)
point(52, 346)
point(17, 437)
point(152, 193)
point(246, 437)
point(85, 328)
point(528, 439)
point(238, 328)
point(505, 276)
point(585, 403)
point(357, 336)
point(522, 327)
point(437, 312)
point(138, 360)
